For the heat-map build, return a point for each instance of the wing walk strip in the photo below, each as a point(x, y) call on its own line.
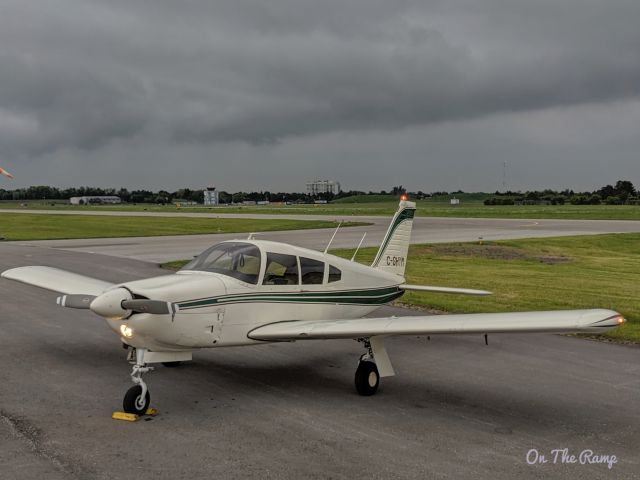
point(351, 297)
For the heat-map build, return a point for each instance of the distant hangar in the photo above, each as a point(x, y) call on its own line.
point(97, 199)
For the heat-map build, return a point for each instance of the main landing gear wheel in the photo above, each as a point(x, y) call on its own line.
point(367, 378)
point(134, 402)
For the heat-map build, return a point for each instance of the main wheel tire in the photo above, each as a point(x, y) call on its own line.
point(367, 378)
point(171, 364)
point(133, 401)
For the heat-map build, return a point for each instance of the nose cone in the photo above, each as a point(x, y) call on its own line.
point(109, 304)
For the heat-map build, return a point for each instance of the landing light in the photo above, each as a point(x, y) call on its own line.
point(403, 198)
point(126, 331)
point(620, 320)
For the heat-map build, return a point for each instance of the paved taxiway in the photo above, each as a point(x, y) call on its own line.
point(425, 230)
point(457, 409)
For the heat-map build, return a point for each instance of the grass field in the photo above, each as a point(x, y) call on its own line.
point(47, 227)
point(471, 208)
point(601, 271)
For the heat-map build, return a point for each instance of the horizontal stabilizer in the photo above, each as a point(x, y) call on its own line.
point(429, 288)
point(57, 280)
point(561, 321)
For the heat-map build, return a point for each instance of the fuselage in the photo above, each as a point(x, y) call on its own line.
point(237, 286)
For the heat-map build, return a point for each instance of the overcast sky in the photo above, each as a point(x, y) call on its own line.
point(267, 94)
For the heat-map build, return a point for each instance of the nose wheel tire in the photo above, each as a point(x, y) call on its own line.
point(134, 402)
point(367, 378)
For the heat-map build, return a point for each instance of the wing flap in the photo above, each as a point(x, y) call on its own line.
point(57, 280)
point(559, 321)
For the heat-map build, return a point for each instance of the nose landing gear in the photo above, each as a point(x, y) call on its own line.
point(137, 398)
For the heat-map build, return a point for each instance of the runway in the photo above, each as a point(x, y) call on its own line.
point(456, 409)
point(425, 230)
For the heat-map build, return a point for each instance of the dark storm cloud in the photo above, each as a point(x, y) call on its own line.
point(80, 74)
point(61, 107)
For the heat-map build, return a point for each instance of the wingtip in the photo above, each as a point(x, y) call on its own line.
point(10, 273)
point(7, 273)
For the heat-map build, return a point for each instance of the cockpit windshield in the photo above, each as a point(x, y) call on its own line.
point(235, 259)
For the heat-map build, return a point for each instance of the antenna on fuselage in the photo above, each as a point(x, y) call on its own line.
point(334, 236)
point(359, 245)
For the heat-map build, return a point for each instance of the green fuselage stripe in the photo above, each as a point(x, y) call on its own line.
point(378, 296)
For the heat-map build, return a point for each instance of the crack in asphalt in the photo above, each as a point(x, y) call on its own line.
point(23, 430)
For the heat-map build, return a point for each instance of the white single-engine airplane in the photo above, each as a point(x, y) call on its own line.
point(248, 292)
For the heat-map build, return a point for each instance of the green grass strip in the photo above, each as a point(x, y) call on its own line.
point(21, 226)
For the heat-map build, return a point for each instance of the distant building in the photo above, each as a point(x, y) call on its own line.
point(323, 186)
point(455, 201)
point(211, 196)
point(87, 200)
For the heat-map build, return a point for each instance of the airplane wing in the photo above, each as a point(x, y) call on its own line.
point(57, 280)
point(560, 321)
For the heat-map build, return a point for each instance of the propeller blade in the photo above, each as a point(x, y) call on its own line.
point(75, 301)
point(156, 307)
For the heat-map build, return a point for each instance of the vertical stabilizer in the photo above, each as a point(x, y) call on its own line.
point(392, 255)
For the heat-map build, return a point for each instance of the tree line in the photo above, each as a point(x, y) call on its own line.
point(623, 192)
point(42, 192)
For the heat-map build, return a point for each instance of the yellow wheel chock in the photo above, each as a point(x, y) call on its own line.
point(132, 417)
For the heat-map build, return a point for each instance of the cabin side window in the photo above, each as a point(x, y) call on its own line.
point(281, 269)
point(335, 274)
point(312, 271)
